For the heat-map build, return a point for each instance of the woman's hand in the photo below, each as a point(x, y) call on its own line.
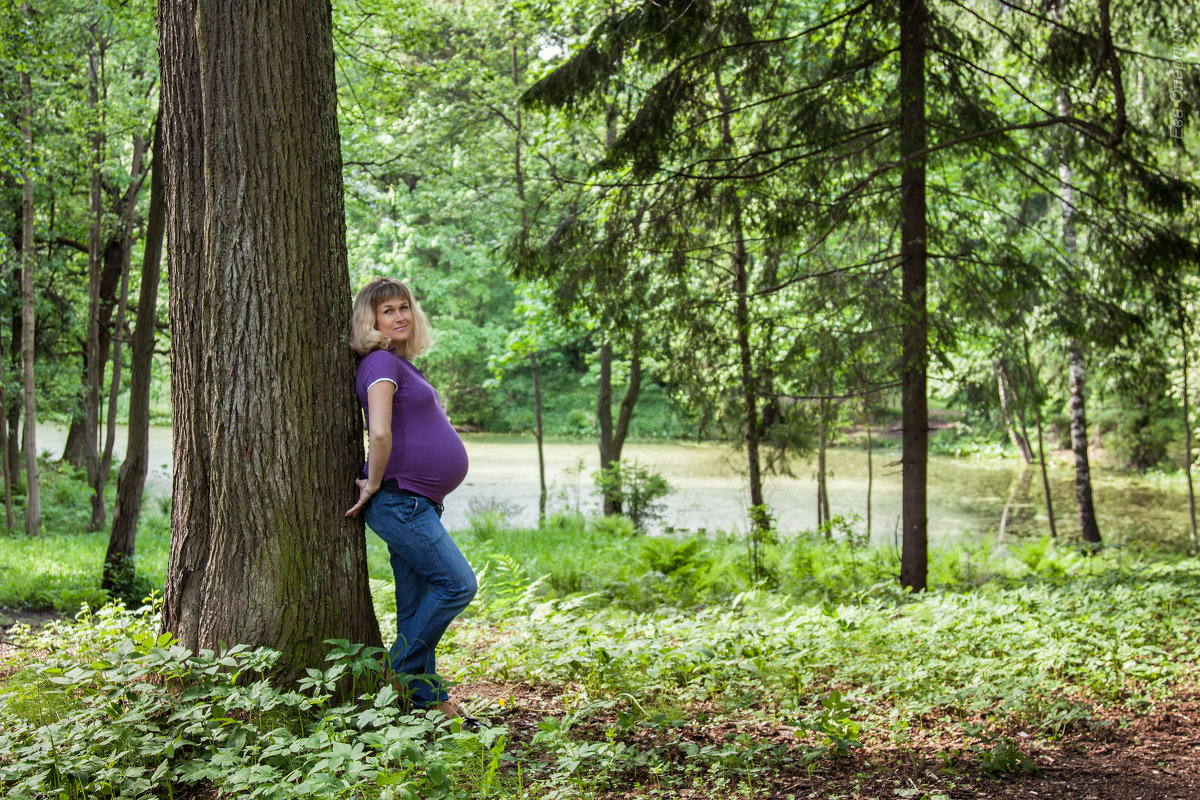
point(364, 494)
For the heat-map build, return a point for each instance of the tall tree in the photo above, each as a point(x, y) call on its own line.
point(118, 564)
point(884, 112)
point(33, 502)
point(268, 432)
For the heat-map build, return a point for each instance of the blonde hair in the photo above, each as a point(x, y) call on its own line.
point(363, 335)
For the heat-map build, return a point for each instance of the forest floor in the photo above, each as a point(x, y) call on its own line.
point(1151, 757)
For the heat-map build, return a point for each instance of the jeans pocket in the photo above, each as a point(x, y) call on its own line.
point(389, 507)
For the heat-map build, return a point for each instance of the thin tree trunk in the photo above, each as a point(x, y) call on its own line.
point(8, 464)
point(537, 430)
point(1037, 413)
point(8, 474)
point(33, 496)
point(914, 561)
point(1076, 372)
point(826, 426)
point(131, 481)
point(739, 263)
point(630, 398)
point(1020, 491)
point(1079, 443)
point(870, 479)
point(1187, 429)
point(822, 491)
point(13, 422)
point(1018, 438)
point(612, 438)
point(604, 394)
point(519, 176)
point(12, 365)
point(268, 432)
point(93, 367)
point(114, 389)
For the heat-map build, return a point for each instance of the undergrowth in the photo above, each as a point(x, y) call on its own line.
point(658, 663)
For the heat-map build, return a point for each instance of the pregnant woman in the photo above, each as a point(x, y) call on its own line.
point(414, 459)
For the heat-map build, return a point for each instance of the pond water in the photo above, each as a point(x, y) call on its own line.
point(966, 496)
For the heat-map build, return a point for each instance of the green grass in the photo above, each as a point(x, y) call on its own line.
point(654, 656)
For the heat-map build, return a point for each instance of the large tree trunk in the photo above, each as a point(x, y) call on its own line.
point(131, 481)
point(1079, 443)
point(914, 455)
point(33, 496)
point(268, 432)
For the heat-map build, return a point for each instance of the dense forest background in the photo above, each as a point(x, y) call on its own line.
point(932, 226)
point(577, 201)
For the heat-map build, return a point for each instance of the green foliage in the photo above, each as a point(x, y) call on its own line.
point(61, 569)
point(997, 754)
point(150, 717)
point(636, 489)
point(661, 655)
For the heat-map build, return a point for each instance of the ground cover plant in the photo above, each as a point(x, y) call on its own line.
point(605, 664)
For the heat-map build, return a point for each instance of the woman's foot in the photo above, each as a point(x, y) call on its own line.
point(449, 709)
point(452, 710)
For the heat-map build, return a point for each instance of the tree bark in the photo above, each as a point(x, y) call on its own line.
point(914, 455)
point(131, 480)
point(33, 496)
point(1079, 443)
point(268, 432)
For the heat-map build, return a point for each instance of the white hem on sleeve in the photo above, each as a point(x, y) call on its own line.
point(377, 380)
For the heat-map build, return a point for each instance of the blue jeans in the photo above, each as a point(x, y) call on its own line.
point(434, 583)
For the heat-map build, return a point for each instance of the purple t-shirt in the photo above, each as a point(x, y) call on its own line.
point(428, 457)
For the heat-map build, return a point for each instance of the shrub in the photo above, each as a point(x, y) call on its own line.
point(635, 489)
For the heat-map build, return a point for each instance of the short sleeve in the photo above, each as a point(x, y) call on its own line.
point(378, 365)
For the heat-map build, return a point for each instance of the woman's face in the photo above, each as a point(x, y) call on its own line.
point(394, 319)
